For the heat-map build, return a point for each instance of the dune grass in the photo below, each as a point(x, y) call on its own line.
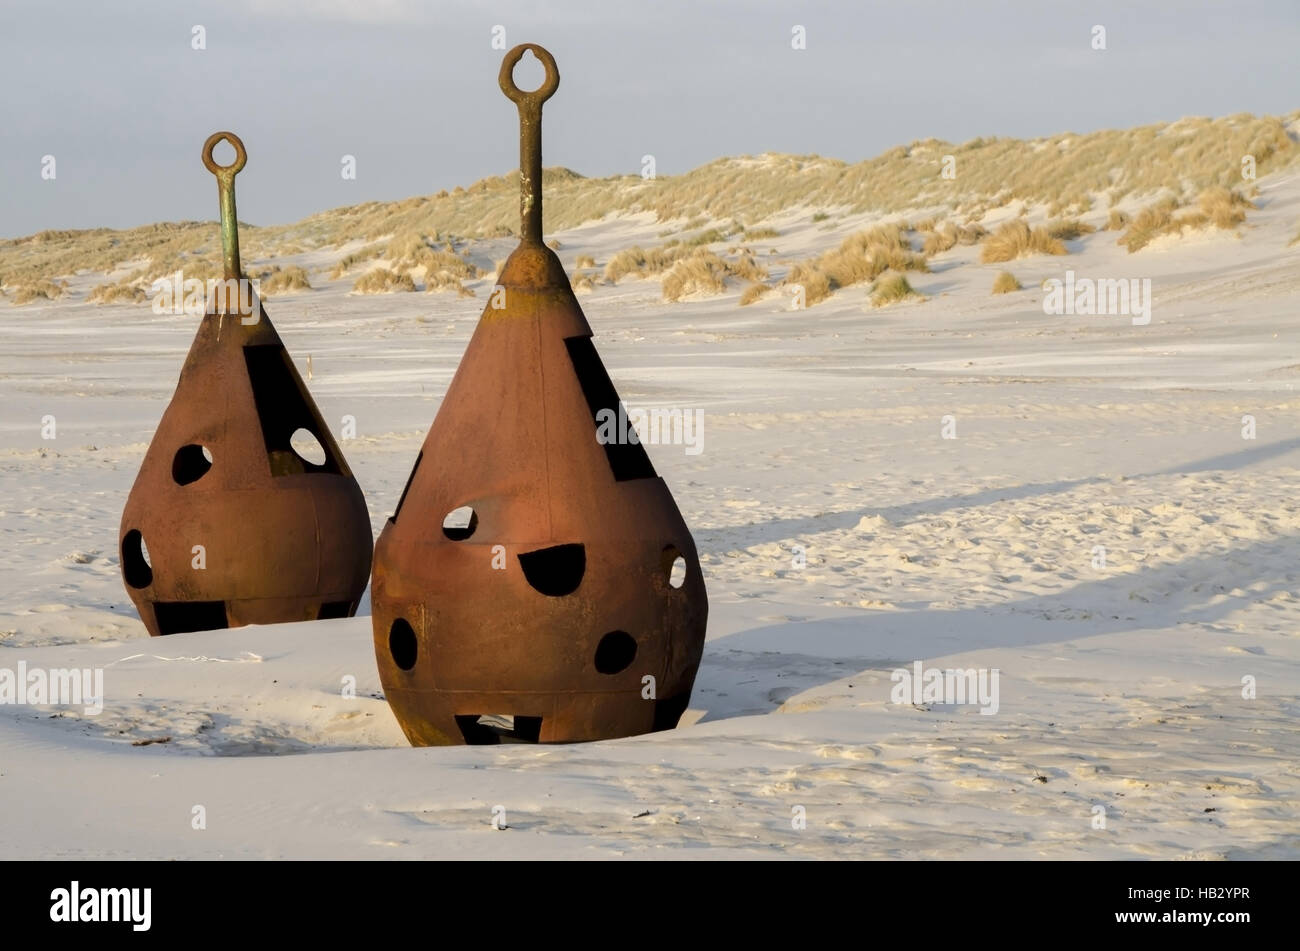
point(349, 261)
point(1015, 239)
point(861, 257)
point(935, 239)
point(283, 280)
point(639, 262)
point(382, 280)
point(1224, 207)
point(1217, 207)
point(1153, 220)
point(1005, 283)
point(746, 267)
point(1060, 171)
point(710, 236)
point(583, 282)
point(120, 293)
point(703, 272)
point(815, 282)
point(42, 290)
point(1069, 229)
point(890, 288)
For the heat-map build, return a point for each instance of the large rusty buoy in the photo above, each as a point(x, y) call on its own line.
point(523, 590)
point(229, 523)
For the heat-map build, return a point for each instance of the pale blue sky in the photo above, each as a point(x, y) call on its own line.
point(114, 91)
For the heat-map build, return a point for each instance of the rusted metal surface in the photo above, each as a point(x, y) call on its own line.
point(227, 524)
point(549, 613)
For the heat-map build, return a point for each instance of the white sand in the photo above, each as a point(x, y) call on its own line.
point(1120, 687)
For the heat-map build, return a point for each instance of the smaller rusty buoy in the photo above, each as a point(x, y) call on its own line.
point(244, 510)
point(524, 589)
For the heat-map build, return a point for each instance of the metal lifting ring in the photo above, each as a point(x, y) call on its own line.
point(542, 92)
point(241, 157)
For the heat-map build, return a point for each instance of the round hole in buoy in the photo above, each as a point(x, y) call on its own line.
point(460, 523)
point(308, 447)
point(190, 464)
point(402, 644)
point(615, 651)
point(677, 577)
point(135, 560)
point(674, 566)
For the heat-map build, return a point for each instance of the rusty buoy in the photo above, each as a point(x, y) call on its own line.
point(229, 522)
point(523, 590)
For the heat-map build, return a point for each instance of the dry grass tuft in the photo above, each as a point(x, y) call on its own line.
point(1005, 283)
point(1217, 207)
point(1016, 239)
point(753, 292)
point(701, 272)
point(637, 262)
point(860, 257)
point(443, 269)
point(940, 238)
point(285, 280)
point(1067, 229)
point(936, 242)
point(758, 234)
point(1116, 221)
point(711, 236)
point(348, 262)
point(814, 281)
point(583, 282)
point(1151, 221)
point(117, 293)
point(436, 282)
point(1225, 207)
point(38, 290)
point(746, 268)
point(866, 254)
point(383, 281)
point(890, 288)
point(584, 260)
